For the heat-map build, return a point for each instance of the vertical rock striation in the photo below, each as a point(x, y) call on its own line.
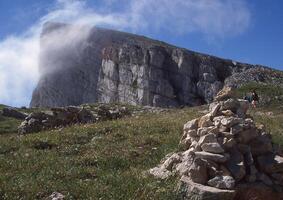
point(85, 65)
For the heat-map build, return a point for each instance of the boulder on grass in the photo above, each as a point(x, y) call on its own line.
point(11, 112)
point(189, 190)
point(222, 182)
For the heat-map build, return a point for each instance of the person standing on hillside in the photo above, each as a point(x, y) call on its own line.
point(248, 98)
point(254, 98)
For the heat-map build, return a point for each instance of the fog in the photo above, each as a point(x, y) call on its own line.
point(20, 55)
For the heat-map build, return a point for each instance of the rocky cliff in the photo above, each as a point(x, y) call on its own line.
point(85, 65)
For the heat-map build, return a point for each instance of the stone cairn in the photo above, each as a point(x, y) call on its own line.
point(221, 151)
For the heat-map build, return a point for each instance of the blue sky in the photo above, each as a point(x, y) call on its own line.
point(244, 30)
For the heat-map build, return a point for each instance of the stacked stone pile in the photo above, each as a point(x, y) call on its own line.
point(60, 117)
point(222, 150)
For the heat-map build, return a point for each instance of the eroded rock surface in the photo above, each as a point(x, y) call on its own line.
point(99, 65)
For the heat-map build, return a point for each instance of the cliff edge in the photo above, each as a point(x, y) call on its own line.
point(80, 64)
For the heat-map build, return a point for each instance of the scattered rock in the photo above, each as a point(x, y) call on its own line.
point(60, 117)
point(183, 167)
point(243, 108)
point(205, 130)
point(30, 126)
point(12, 112)
point(222, 182)
point(193, 124)
point(168, 164)
point(188, 190)
point(228, 113)
point(198, 171)
point(215, 110)
point(231, 121)
point(192, 133)
point(225, 93)
point(205, 121)
point(56, 196)
point(210, 138)
point(211, 156)
point(230, 104)
point(225, 149)
point(212, 148)
point(185, 143)
point(160, 173)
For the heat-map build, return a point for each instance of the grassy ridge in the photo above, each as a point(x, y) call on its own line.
point(270, 95)
point(106, 160)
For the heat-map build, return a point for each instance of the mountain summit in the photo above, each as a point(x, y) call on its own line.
point(80, 64)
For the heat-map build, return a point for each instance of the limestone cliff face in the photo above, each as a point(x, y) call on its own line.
point(82, 65)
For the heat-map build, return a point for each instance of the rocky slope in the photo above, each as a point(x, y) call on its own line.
point(225, 155)
point(82, 65)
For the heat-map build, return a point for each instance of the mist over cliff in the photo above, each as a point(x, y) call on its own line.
point(83, 64)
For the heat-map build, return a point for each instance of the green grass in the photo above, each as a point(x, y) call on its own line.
point(2, 106)
point(8, 125)
point(106, 160)
point(273, 123)
point(270, 95)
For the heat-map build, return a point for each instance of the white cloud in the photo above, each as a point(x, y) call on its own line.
point(18, 69)
point(19, 54)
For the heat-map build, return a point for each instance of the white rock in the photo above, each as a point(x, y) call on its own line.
point(193, 190)
point(212, 148)
point(170, 162)
point(214, 110)
point(198, 171)
point(56, 196)
point(222, 182)
point(205, 121)
point(190, 125)
point(218, 158)
point(160, 173)
point(231, 121)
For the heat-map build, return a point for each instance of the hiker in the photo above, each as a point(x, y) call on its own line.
point(254, 98)
point(248, 98)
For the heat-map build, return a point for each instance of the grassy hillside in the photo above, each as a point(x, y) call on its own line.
point(106, 160)
point(8, 125)
point(270, 95)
